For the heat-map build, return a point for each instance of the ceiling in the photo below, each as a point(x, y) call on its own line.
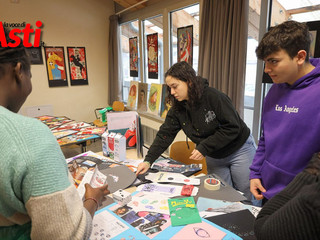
point(128, 3)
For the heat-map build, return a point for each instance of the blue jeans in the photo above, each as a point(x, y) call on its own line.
point(234, 169)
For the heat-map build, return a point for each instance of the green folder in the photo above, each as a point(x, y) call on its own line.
point(183, 211)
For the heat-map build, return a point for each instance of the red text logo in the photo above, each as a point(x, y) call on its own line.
point(27, 31)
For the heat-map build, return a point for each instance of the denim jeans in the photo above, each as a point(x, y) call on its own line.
point(234, 169)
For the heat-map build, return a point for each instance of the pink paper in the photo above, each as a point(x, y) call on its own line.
point(199, 231)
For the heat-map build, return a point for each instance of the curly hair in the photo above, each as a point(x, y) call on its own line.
point(13, 55)
point(184, 72)
point(290, 36)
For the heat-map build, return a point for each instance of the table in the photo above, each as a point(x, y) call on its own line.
point(68, 131)
point(225, 193)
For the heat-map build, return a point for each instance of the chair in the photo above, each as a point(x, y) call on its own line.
point(179, 151)
point(117, 106)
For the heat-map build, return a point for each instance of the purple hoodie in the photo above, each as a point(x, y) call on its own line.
point(291, 131)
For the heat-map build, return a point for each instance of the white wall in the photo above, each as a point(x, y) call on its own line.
point(82, 23)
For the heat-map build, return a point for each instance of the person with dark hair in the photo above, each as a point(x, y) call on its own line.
point(209, 119)
point(290, 110)
point(294, 213)
point(38, 198)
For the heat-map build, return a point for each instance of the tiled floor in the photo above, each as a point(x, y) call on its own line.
point(73, 150)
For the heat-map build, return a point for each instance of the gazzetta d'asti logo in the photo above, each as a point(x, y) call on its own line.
point(20, 28)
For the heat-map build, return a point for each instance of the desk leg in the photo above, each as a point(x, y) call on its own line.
point(83, 146)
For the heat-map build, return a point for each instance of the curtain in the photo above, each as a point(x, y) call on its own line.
point(223, 47)
point(114, 59)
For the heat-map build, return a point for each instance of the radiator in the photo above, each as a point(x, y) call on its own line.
point(149, 134)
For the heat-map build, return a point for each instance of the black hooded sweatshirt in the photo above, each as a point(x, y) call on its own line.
point(213, 125)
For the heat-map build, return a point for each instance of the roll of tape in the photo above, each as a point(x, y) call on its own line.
point(212, 184)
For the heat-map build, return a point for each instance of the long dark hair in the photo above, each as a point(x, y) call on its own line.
point(13, 55)
point(184, 72)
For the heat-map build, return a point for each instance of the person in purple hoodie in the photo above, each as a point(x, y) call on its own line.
point(291, 109)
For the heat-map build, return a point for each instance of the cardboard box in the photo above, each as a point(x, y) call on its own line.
point(111, 137)
point(122, 197)
point(119, 147)
point(104, 140)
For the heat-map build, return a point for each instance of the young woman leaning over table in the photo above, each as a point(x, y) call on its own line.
point(209, 119)
point(38, 199)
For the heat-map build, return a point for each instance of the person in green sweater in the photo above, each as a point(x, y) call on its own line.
point(38, 199)
point(294, 213)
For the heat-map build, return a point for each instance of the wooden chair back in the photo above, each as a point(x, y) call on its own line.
point(118, 106)
point(179, 151)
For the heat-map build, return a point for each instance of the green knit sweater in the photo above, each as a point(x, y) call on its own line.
point(35, 187)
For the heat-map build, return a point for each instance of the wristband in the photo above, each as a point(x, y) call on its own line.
point(93, 199)
point(148, 163)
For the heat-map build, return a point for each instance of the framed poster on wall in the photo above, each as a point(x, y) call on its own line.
point(152, 43)
point(56, 67)
point(133, 48)
point(185, 44)
point(77, 66)
point(35, 55)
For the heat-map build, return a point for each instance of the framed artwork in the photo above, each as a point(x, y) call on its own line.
point(165, 101)
point(35, 55)
point(185, 44)
point(133, 48)
point(142, 96)
point(314, 28)
point(133, 93)
point(152, 48)
point(56, 67)
point(154, 98)
point(77, 66)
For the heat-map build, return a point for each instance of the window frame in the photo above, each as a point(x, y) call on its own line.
point(161, 8)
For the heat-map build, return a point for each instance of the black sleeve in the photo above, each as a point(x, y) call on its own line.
point(164, 137)
point(292, 214)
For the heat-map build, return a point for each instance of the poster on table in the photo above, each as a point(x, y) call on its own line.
point(142, 97)
point(56, 67)
point(154, 98)
point(124, 222)
point(77, 65)
point(152, 43)
point(185, 44)
point(133, 48)
point(133, 93)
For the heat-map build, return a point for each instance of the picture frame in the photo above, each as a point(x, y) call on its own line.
point(56, 67)
point(185, 44)
point(35, 55)
point(152, 48)
point(77, 65)
point(134, 63)
point(314, 28)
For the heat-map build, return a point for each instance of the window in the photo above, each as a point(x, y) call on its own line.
point(127, 30)
point(250, 81)
point(182, 18)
